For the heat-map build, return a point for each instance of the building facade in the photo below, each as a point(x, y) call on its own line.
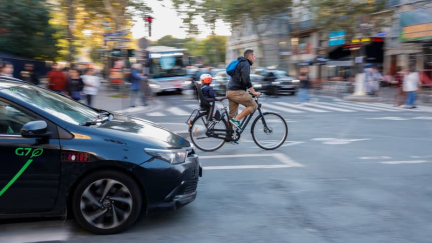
point(410, 41)
point(269, 40)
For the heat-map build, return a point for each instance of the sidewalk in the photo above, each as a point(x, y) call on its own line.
point(386, 95)
point(111, 100)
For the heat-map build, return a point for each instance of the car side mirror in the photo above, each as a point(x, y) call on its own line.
point(35, 129)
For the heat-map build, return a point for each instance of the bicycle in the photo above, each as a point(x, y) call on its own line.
point(209, 134)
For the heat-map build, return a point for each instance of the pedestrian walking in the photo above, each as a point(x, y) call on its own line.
point(6, 69)
point(75, 84)
point(373, 78)
point(91, 85)
point(399, 98)
point(29, 75)
point(411, 85)
point(305, 83)
point(136, 85)
point(57, 81)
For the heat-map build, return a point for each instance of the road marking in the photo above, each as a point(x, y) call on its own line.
point(422, 118)
point(347, 106)
point(368, 106)
point(421, 157)
point(338, 141)
point(193, 107)
point(155, 114)
point(287, 161)
point(178, 111)
point(237, 167)
point(385, 106)
point(31, 232)
point(299, 107)
point(273, 107)
point(376, 157)
point(328, 107)
point(404, 162)
point(390, 118)
point(286, 144)
point(133, 109)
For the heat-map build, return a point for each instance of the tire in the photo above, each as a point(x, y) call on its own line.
point(261, 136)
point(198, 135)
point(117, 211)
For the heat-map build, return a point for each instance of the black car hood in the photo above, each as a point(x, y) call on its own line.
point(145, 129)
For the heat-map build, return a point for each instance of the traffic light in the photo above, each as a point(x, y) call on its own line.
point(149, 20)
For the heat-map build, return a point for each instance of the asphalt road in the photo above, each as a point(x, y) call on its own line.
point(348, 172)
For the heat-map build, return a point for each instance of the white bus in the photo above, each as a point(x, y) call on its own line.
point(166, 68)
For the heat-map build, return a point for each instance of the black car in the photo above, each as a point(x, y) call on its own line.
point(60, 157)
point(277, 82)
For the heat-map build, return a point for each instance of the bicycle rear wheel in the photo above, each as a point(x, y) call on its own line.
point(198, 134)
point(269, 131)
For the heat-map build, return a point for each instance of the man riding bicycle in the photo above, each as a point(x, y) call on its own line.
point(236, 90)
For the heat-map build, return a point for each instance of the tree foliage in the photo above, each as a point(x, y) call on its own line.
point(234, 12)
point(91, 19)
point(332, 15)
point(212, 48)
point(25, 29)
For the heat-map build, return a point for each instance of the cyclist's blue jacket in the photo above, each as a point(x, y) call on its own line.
point(207, 91)
point(241, 78)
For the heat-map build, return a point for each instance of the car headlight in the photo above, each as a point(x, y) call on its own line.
point(157, 86)
point(295, 80)
point(275, 83)
point(172, 156)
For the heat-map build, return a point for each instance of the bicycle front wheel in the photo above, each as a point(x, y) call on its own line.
point(269, 131)
point(199, 137)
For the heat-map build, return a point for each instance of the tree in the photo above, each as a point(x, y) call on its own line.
point(213, 49)
point(26, 29)
point(171, 41)
point(333, 15)
point(95, 17)
point(236, 13)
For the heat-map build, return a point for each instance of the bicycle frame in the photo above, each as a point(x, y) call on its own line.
point(230, 132)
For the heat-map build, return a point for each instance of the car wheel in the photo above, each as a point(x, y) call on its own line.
point(107, 202)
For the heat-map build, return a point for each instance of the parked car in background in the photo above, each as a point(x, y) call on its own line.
point(277, 82)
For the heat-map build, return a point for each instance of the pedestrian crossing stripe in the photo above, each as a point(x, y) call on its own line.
point(329, 107)
point(300, 107)
point(274, 107)
point(350, 107)
point(314, 107)
point(178, 111)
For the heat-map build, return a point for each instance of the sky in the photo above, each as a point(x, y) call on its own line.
point(166, 22)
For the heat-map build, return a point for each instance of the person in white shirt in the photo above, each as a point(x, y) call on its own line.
point(411, 84)
point(91, 85)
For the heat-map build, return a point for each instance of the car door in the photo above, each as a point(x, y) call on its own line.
point(29, 167)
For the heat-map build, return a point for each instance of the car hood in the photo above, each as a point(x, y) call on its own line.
point(149, 132)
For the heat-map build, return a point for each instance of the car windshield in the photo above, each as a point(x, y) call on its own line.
point(56, 105)
point(280, 74)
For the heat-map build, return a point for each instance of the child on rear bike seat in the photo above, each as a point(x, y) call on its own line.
point(208, 92)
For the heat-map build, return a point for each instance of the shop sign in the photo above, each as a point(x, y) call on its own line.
point(367, 40)
point(336, 38)
point(416, 24)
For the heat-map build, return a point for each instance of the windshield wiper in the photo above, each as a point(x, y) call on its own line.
point(101, 118)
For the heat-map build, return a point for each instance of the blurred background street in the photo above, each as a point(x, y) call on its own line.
point(357, 163)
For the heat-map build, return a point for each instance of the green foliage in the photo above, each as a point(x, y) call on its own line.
point(26, 30)
point(212, 49)
point(344, 15)
point(232, 12)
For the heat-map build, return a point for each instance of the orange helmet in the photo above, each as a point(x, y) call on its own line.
point(206, 78)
